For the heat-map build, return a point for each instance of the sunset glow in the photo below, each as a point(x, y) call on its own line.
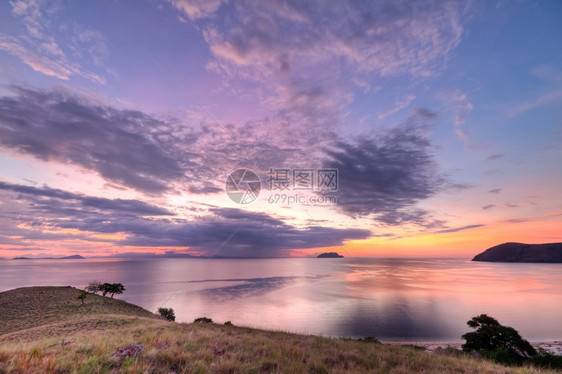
point(121, 122)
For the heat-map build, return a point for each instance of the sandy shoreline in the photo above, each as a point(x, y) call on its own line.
point(553, 347)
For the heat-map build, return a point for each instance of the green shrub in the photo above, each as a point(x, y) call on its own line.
point(547, 360)
point(82, 296)
point(369, 339)
point(503, 355)
point(450, 351)
point(502, 344)
point(167, 313)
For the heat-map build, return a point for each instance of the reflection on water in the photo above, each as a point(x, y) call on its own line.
point(391, 299)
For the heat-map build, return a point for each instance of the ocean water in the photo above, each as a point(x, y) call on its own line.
point(390, 299)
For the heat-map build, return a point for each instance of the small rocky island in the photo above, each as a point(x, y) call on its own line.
point(329, 255)
point(521, 252)
point(73, 257)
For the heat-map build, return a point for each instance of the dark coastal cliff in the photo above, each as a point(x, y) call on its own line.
point(520, 252)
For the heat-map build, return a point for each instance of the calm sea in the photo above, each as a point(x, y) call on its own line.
point(390, 299)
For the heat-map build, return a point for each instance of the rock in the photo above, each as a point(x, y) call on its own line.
point(127, 351)
point(329, 255)
point(475, 354)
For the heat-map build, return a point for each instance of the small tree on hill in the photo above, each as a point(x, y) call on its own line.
point(500, 343)
point(112, 289)
point(105, 288)
point(167, 313)
point(117, 288)
point(93, 287)
point(82, 296)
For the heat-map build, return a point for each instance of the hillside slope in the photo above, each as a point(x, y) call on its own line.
point(33, 307)
point(45, 329)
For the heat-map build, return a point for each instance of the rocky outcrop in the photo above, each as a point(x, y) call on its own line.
point(520, 252)
point(329, 255)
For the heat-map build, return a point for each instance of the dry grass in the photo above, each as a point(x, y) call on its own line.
point(32, 333)
point(24, 308)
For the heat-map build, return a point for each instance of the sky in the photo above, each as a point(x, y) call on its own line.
point(279, 128)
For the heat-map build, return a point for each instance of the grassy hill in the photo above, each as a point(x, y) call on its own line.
point(47, 330)
point(57, 309)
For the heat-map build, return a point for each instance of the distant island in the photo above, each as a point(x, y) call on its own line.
point(73, 257)
point(329, 255)
point(521, 252)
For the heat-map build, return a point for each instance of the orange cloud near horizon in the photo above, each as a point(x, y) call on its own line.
point(466, 243)
point(463, 243)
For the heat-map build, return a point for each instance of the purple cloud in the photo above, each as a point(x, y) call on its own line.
point(385, 177)
point(221, 232)
point(126, 147)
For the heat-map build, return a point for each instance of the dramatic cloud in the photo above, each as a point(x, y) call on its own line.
point(250, 237)
point(81, 202)
point(30, 217)
point(382, 177)
point(278, 37)
point(148, 154)
point(386, 176)
point(125, 147)
point(156, 155)
point(222, 232)
point(307, 57)
point(301, 61)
